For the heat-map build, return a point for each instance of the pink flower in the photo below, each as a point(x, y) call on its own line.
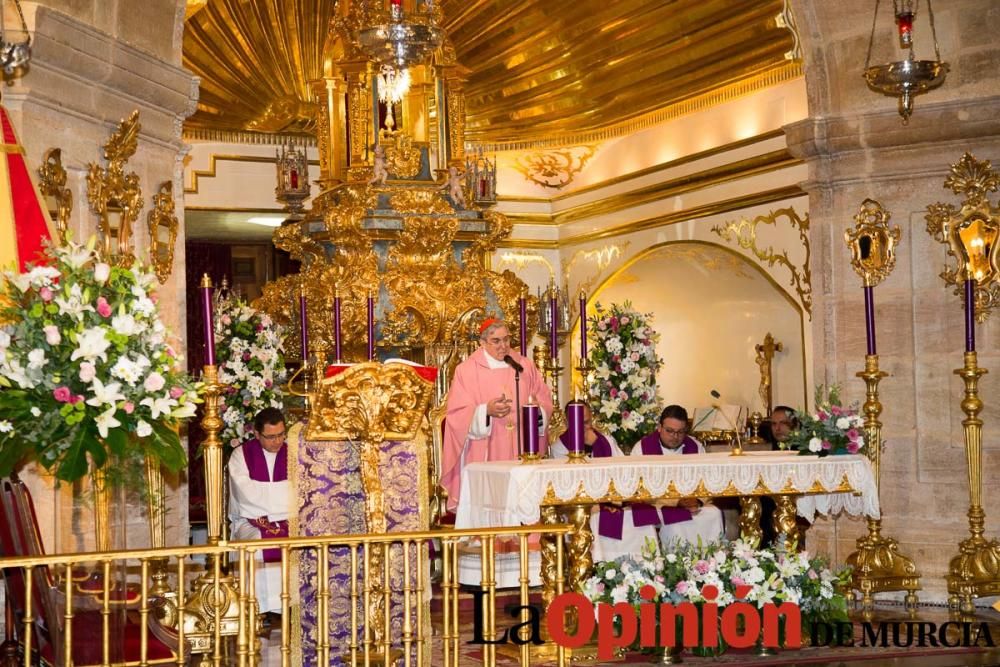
point(268, 384)
point(853, 434)
point(246, 356)
point(826, 444)
point(46, 294)
point(103, 307)
point(153, 382)
point(625, 320)
point(227, 320)
point(812, 574)
point(625, 414)
point(87, 371)
point(176, 392)
point(701, 567)
point(128, 407)
point(600, 587)
point(614, 392)
point(73, 400)
point(852, 447)
point(635, 356)
point(835, 409)
point(614, 324)
point(52, 335)
point(259, 328)
point(62, 394)
point(737, 581)
point(681, 587)
point(822, 415)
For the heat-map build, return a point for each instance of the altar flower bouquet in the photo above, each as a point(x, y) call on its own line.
point(85, 368)
point(832, 429)
point(623, 354)
point(250, 350)
point(765, 575)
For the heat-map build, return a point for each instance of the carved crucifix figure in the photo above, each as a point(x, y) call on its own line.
point(765, 355)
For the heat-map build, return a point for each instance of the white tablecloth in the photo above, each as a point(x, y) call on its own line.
point(508, 493)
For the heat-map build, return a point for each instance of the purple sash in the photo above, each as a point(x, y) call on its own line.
point(253, 455)
point(651, 446)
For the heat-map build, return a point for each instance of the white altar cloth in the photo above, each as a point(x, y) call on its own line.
point(508, 493)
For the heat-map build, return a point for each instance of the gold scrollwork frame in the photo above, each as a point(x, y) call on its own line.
point(163, 217)
point(52, 183)
point(744, 233)
point(976, 218)
point(111, 190)
point(872, 242)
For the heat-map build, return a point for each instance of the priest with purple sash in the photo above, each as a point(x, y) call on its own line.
point(259, 494)
point(690, 519)
point(608, 524)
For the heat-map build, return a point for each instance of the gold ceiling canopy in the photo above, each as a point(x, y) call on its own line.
point(538, 68)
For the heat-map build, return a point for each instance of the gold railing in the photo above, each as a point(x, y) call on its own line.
point(409, 647)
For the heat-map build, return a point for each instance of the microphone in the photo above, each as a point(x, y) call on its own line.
point(715, 394)
point(738, 449)
point(509, 360)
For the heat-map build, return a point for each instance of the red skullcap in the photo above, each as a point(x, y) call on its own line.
point(487, 324)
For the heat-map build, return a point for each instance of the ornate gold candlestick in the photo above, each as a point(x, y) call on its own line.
point(585, 369)
point(557, 420)
point(971, 234)
point(878, 565)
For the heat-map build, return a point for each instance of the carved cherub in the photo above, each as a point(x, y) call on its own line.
point(381, 174)
point(454, 187)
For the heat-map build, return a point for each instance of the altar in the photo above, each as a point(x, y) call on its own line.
point(509, 493)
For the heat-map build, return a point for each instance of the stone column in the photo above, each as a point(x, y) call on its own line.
point(92, 65)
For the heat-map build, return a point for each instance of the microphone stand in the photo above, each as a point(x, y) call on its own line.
point(738, 449)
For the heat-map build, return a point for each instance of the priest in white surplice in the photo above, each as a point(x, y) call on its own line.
point(259, 494)
point(616, 530)
point(691, 519)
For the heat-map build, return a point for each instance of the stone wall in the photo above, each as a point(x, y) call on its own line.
point(857, 147)
point(92, 64)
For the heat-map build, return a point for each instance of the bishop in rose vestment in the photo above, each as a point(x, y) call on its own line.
point(480, 424)
point(259, 494)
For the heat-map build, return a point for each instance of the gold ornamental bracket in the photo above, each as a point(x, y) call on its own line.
point(52, 185)
point(872, 242)
point(163, 226)
point(371, 401)
point(970, 232)
point(115, 195)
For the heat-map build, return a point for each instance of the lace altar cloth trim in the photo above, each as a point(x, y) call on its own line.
point(508, 493)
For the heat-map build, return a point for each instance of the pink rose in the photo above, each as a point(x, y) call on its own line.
point(176, 392)
point(822, 415)
point(826, 444)
point(52, 335)
point(614, 392)
point(153, 382)
point(87, 371)
point(268, 384)
point(62, 394)
point(812, 574)
point(853, 434)
point(701, 567)
point(681, 587)
point(635, 356)
point(103, 307)
point(835, 409)
point(128, 407)
point(852, 447)
point(625, 414)
point(76, 399)
point(737, 581)
point(226, 320)
point(46, 294)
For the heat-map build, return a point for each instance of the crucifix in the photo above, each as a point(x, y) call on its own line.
point(765, 355)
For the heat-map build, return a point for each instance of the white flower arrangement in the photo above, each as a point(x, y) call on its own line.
point(623, 354)
point(85, 367)
point(250, 350)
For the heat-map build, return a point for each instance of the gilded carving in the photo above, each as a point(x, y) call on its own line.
point(554, 168)
point(52, 183)
point(402, 158)
point(744, 233)
point(872, 243)
point(456, 120)
point(162, 225)
point(114, 195)
point(359, 100)
point(602, 257)
point(971, 232)
point(287, 113)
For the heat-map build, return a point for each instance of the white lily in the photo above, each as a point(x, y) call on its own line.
point(91, 344)
point(105, 394)
point(143, 430)
point(158, 406)
point(106, 421)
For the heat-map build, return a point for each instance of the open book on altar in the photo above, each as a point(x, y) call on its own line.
point(721, 418)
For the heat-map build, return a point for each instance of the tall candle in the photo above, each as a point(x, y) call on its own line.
point(870, 317)
point(522, 323)
point(529, 428)
point(304, 327)
point(371, 327)
point(970, 315)
point(336, 327)
point(209, 319)
point(574, 426)
point(554, 325)
point(583, 327)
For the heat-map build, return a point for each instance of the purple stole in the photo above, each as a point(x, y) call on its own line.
point(253, 455)
point(611, 522)
point(651, 446)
